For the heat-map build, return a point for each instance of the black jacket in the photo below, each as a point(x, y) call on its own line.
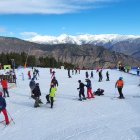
point(36, 91)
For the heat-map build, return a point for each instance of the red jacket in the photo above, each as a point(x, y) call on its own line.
point(4, 84)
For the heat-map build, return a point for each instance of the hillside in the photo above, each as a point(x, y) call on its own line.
point(89, 56)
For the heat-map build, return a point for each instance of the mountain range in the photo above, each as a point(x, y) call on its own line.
point(82, 55)
point(127, 44)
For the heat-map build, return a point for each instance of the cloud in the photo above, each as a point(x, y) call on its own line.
point(32, 34)
point(47, 6)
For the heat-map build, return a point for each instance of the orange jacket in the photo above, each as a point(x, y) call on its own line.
point(119, 83)
point(4, 83)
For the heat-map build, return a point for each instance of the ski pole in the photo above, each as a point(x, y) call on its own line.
point(10, 117)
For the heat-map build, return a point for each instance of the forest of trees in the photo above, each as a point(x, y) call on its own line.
point(20, 59)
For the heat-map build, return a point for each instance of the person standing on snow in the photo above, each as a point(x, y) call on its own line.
point(5, 87)
point(81, 90)
point(36, 93)
point(107, 76)
point(119, 84)
point(29, 74)
point(53, 74)
point(89, 89)
point(22, 76)
point(69, 73)
point(100, 76)
point(91, 75)
point(3, 108)
point(51, 95)
point(138, 71)
point(87, 74)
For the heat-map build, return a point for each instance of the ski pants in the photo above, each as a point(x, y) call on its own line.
point(89, 93)
point(120, 92)
point(5, 90)
point(81, 93)
point(4, 111)
point(50, 100)
point(107, 79)
point(100, 78)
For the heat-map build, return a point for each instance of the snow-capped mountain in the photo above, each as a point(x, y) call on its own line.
point(83, 39)
point(127, 44)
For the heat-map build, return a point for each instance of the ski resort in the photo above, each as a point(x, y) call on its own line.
point(104, 117)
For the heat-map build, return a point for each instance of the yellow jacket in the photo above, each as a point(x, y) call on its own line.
point(52, 91)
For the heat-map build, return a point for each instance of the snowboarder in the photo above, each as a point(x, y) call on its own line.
point(87, 74)
point(5, 87)
point(100, 76)
point(89, 89)
point(91, 75)
point(107, 76)
point(3, 108)
point(51, 95)
point(81, 90)
point(36, 93)
point(119, 84)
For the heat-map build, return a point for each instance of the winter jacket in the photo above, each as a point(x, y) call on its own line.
point(32, 84)
point(88, 84)
point(55, 82)
point(81, 87)
point(4, 84)
point(119, 84)
point(36, 91)
point(2, 103)
point(52, 91)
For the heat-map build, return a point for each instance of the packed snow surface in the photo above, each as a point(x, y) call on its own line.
point(101, 118)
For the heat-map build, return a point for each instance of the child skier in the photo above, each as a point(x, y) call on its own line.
point(3, 108)
point(119, 84)
point(81, 91)
point(51, 95)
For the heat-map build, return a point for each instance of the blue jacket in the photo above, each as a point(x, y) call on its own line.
point(88, 84)
point(2, 103)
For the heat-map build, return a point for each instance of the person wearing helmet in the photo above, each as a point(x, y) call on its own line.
point(81, 90)
point(119, 85)
point(3, 108)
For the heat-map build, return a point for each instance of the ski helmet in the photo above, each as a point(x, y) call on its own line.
point(120, 78)
point(79, 81)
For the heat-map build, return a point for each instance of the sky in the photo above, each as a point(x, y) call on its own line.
point(29, 18)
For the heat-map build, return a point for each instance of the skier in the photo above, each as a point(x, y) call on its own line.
point(107, 76)
point(3, 108)
point(89, 89)
point(36, 93)
point(119, 84)
point(69, 73)
point(53, 74)
point(50, 96)
point(54, 82)
point(22, 76)
point(81, 91)
point(87, 74)
point(32, 85)
point(75, 71)
point(91, 75)
point(37, 72)
point(138, 71)
point(100, 76)
point(5, 87)
point(29, 75)
point(50, 70)
point(72, 71)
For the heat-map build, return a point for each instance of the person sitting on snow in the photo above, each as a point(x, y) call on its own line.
point(99, 92)
point(3, 108)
